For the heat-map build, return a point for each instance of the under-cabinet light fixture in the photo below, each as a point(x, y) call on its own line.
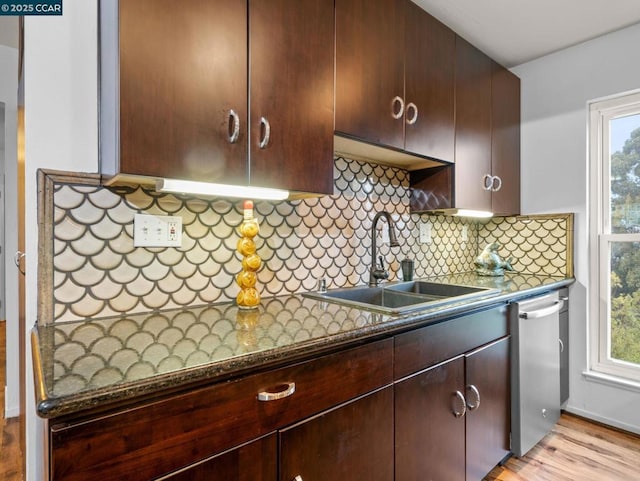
point(473, 213)
point(219, 190)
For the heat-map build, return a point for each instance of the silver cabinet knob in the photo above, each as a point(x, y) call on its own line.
point(265, 128)
point(472, 391)
point(234, 126)
point(412, 118)
point(487, 182)
point(458, 400)
point(397, 101)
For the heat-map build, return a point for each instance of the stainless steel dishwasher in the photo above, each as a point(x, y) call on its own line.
point(535, 370)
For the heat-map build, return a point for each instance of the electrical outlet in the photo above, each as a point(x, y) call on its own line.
point(425, 232)
point(157, 231)
point(465, 233)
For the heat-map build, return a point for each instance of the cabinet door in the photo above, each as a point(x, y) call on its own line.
point(370, 70)
point(429, 438)
point(256, 461)
point(429, 85)
point(505, 141)
point(473, 127)
point(487, 395)
point(182, 70)
point(291, 91)
point(351, 442)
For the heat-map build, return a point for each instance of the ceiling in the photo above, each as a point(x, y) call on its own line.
point(516, 31)
point(510, 31)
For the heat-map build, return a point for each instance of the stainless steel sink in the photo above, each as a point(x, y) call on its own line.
point(399, 298)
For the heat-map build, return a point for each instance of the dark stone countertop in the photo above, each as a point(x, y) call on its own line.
point(90, 364)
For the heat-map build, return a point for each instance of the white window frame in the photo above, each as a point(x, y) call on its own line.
point(601, 112)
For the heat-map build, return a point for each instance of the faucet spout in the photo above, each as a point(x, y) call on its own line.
point(378, 272)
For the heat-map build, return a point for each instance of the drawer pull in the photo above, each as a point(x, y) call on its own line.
point(298, 478)
point(278, 392)
point(458, 398)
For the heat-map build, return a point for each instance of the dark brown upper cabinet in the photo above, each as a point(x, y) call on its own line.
point(473, 127)
point(369, 70)
point(429, 85)
point(394, 77)
point(486, 174)
point(218, 90)
point(505, 141)
point(292, 94)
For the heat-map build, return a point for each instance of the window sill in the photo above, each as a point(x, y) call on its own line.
point(612, 381)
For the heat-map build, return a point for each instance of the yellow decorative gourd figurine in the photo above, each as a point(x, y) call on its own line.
point(248, 297)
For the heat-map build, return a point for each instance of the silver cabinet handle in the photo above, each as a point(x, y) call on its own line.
point(474, 390)
point(397, 114)
point(547, 311)
point(561, 345)
point(413, 118)
point(280, 391)
point(234, 126)
point(265, 127)
point(495, 187)
point(458, 398)
point(487, 182)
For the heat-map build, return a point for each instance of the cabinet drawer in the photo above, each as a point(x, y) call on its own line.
point(419, 349)
point(154, 439)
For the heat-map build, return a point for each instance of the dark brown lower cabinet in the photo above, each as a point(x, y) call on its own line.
point(255, 461)
point(452, 420)
point(487, 417)
point(351, 442)
point(429, 437)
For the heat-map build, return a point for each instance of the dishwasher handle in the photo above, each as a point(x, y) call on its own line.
point(546, 311)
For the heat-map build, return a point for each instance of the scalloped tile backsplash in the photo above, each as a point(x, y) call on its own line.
point(96, 271)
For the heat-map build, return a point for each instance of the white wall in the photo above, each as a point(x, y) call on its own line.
point(61, 132)
point(9, 96)
point(555, 91)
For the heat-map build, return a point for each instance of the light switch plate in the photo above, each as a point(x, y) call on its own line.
point(465, 233)
point(157, 231)
point(425, 232)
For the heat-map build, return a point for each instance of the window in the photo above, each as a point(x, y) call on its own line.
point(615, 236)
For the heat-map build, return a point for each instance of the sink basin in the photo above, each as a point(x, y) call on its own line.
point(402, 297)
point(437, 290)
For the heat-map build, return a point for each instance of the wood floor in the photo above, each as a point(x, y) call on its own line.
point(576, 450)
point(10, 453)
